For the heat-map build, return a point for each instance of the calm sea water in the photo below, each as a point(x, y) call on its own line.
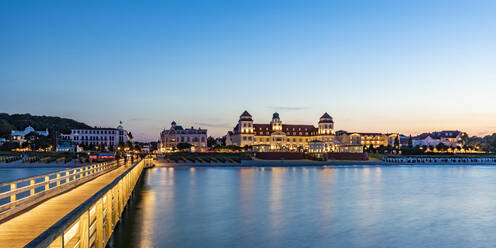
point(9, 174)
point(312, 207)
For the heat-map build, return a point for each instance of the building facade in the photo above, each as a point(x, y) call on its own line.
point(278, 136)
point(448, 138)
point(170, 138)
point(107, 137)
point(369, 139)
point(18, 135)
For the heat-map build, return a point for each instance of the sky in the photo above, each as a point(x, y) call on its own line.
point(375, 66)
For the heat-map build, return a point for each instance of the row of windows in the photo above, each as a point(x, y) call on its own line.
point(290, 133)
point(87, 142)
point(184, 132)
point(249, 138)
point(94, 138)
point(94, 131)
point(293, 129)
point(185, 139)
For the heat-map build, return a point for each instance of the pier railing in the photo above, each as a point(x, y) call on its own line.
point(92, 223)
point(20, 194)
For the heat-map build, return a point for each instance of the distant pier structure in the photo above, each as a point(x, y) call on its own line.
point(439, 160)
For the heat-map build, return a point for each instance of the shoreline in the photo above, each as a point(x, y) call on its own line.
point(303, 163)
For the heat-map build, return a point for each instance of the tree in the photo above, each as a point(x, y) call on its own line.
point(184, 146)
point(153, 146)
point(8, 146)
point(36, 141)
point(129, 144)
point(21, 121)
point(397, 142)
point(441, 147)
point(410, 142)
point(211, 141)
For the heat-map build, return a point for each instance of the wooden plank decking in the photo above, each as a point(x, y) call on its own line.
point(20, 230)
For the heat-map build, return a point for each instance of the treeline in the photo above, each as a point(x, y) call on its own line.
point(39, 123)
point(486, 143)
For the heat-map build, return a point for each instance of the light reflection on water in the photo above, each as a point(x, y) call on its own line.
point(10, 174)
point(312, 207)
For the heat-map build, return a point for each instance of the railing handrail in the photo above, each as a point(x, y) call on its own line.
point(25, 179)
point(51, 234)
point(50, 181)
point(62, 183)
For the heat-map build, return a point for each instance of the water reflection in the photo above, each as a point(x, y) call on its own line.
point(312, 207)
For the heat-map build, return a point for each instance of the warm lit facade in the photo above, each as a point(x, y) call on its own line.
point(368, 139)
point(277, 136)
point(448, 138)
point(169, 138)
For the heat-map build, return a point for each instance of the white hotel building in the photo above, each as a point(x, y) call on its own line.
point(109, 137)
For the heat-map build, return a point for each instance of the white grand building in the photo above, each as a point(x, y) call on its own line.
point(108, 137)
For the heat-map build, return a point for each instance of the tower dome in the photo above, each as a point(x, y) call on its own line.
point(245, 116)
point(275, 115)
point(326, 118)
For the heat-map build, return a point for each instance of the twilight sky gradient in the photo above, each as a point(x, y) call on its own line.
point(386, 66)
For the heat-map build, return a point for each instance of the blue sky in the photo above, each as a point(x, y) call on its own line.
point(387, 66)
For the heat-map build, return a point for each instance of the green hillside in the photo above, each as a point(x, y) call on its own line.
point(21, 121)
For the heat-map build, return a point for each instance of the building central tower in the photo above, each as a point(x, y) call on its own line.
point(276, 122)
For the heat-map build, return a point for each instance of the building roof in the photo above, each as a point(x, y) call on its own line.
point(245, 116)
point(326, 115)
point(27, 131)
point(438, 135)
point(177, 128)
point(326, 118)
point(446, 134)
point(288, 129)
point(342, 132)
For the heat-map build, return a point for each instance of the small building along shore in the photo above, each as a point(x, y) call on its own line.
point(451, 138)
point(19, 135)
